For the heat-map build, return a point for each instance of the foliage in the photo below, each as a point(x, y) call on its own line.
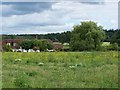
point(32, 73)
point(26, 44)
point(49, 46)
point(113, 46)
point(87, 36)
point(21, 81)
point(61, 37)
point(116, 38)
point(35, 45)
point(41, 45)
point(109, 47)
point(7, 48)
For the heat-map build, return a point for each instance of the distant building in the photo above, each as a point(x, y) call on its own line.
point(14, 43)
point(57, 46)
point(66, 46)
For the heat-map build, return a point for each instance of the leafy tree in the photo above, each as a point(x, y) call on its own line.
point(87, 36)
point(109, 34)
point(26, 44)
point(35, 45)
point(49, 46)
point(42, 45)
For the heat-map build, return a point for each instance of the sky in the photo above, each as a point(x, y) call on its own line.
point(42, 17)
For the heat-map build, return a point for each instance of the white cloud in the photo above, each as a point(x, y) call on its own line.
point(61, 17)
point(39, 29)
point(100, 13)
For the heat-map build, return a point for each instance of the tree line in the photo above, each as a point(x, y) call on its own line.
point(86, 36)
point(63, 37)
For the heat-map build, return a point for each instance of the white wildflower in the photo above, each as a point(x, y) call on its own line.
point(40, 64)
point(17, 60)
point(73, 66)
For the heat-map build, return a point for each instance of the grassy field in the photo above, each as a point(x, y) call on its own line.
point(60, 70)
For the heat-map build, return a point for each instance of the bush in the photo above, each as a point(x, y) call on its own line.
point(7, 48)
point(113, 46)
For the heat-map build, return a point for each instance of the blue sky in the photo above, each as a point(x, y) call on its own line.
point(40, 17)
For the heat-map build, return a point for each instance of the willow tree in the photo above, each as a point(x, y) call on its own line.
point(86, 36)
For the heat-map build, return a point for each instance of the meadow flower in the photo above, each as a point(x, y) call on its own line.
point(40, 64)
point(17, 60)
point(73, 66)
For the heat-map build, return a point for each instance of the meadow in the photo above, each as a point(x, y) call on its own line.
point(60, 69)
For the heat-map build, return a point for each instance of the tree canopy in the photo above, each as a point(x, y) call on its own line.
point(41, 45)
point(86, 36)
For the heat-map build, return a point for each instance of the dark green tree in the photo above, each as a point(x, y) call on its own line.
point(116, 37)
point(49, 46)
point(35, 45)
point(87, 36)
point(26, 44)
point(42, 45)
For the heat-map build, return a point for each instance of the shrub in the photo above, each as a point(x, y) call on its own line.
point(7, 48)
point(113, 46)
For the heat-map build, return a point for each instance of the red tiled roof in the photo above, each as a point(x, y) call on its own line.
point(58, 46)
point(11, 41)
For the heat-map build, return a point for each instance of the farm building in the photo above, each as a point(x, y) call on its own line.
point(14, 43)
point(57, 46)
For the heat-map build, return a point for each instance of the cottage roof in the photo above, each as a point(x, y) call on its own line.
point(57, 45)
point(11, 40)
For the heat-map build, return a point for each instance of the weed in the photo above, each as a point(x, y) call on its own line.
point(33, 73)
point(21, 81)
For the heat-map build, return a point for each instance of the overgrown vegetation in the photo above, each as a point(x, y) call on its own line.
point(60, 70)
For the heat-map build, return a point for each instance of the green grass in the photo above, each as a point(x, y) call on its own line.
point(52, 70)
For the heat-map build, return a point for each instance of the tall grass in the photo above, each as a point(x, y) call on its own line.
point(89, 69)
